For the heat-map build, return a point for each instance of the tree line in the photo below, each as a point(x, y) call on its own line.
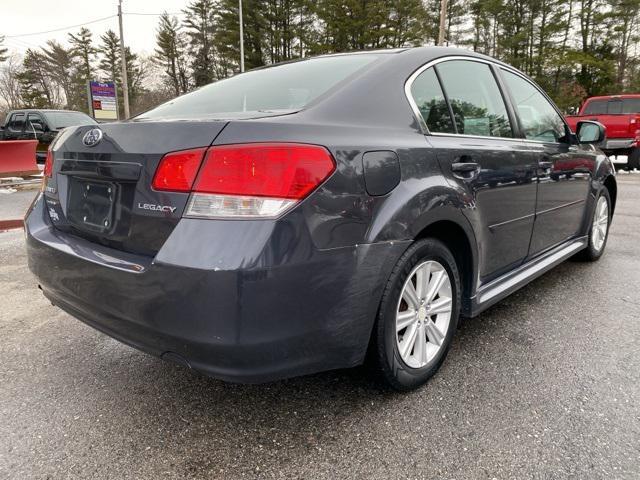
point(572, 48)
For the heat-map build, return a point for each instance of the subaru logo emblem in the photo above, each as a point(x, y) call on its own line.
point(92, 137)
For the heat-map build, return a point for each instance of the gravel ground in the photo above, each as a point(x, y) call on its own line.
point(544, 385)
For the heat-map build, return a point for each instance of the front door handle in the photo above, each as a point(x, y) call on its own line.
point(465, 170)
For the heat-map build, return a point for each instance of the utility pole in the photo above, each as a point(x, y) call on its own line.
point(443, 21)
point(241, 37)
point(123, 61)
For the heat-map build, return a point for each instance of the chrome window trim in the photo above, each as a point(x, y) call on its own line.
point(482, 137)
point(545, 96)
point(416, 111)
point(423, 125)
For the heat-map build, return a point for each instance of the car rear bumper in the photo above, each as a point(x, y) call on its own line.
point(283, 313)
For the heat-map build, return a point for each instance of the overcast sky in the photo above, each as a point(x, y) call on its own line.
point(19, 17)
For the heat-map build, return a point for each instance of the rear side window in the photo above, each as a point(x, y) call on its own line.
point(428, 96)
point(540, 120)
point(35, 123)
point(631, 105)
point(475, 98)
point(17, 122)
point(612, 107)
point(286, 87)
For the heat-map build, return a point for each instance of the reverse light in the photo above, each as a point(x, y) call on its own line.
point(253, 180)
point(234, 206)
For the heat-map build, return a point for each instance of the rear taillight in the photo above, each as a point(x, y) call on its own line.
point(48, 165)
point(259, 180)
point(634, 128)
point(178, 170)
point(47, 171)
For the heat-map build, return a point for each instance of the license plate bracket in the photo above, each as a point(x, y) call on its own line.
point(91, 205)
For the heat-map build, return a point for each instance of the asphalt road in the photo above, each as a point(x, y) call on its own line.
point(544, 385)
point(14, 205)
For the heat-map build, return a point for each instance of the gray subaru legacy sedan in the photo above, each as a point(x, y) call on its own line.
point(311, 215)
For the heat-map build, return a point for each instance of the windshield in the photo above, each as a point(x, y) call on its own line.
point(58, 120)
point(285, 87)
point(612, 107)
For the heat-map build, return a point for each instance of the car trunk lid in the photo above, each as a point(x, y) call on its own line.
point(104, 193)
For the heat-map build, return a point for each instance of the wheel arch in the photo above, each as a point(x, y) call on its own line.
point(612, 186)
point(461, 242)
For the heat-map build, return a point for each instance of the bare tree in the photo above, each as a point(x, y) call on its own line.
point(10, 91)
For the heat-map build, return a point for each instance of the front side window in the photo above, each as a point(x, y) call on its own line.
point(428, 96)
point(476, 101)
point(17, 122)
point(540, 121)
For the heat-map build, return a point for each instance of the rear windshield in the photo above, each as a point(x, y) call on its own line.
point(612, 107)
point(59, 120)
point(286, 87)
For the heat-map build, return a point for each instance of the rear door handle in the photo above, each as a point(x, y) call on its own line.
point(465, 170)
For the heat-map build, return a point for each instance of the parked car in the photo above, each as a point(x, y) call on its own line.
point(42, 125)
point(620, 115)
point(294, 218)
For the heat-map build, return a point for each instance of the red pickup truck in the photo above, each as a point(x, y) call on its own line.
point(620, 114)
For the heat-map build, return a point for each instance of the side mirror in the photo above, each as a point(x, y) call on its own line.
point(590, 132)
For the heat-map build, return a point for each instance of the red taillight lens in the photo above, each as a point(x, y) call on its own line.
point(178, 170)
point(48, 165)
point(256, 180)
point(275, 170)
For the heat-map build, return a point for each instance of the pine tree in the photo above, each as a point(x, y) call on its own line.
point(352, 24)
point(625, 15)
point(63, 70)
point(82, 48)
point(110, 56)
point(171, 53)
point(135, 76)
point(200, 23)
point(404, 26)
point(595, 53)
point(37, 89)
point(3, 50)
point(110, 66)
point(84, 53)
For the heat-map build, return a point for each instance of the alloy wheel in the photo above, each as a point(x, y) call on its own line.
point(423, 314)
point(600, 223)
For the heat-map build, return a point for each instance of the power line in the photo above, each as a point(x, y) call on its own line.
point(62, 28)
point(153, 14)
point(89, 23)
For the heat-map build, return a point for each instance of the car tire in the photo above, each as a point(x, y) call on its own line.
point(432, 328)
point(633, 160)
point(598, 230)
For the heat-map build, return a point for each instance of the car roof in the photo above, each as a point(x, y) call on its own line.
point(45, 110)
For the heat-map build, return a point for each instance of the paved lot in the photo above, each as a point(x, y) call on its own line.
point(544, 385)
point(14, 205)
